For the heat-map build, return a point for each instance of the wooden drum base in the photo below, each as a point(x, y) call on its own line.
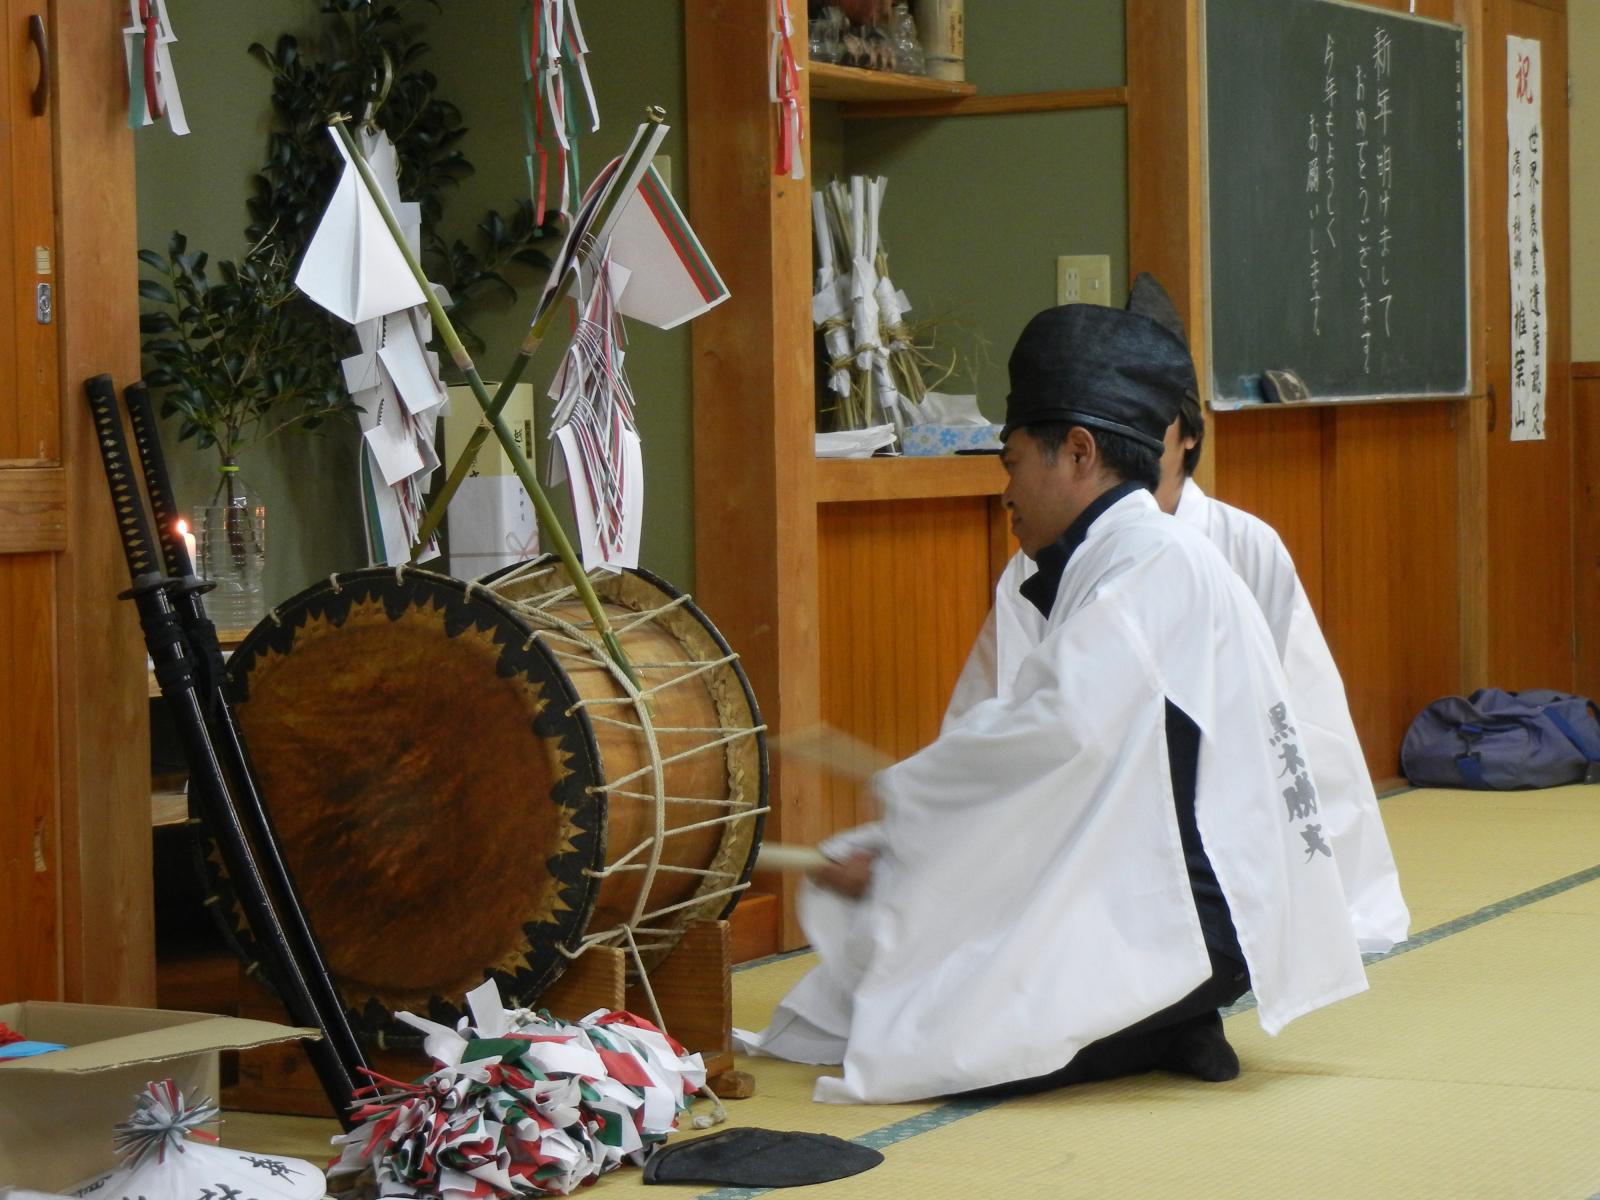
point(693, 987)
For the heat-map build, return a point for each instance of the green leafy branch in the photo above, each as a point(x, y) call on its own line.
point(235, 352)
point(235, 357)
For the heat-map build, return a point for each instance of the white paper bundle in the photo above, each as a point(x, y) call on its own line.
point(354, 268)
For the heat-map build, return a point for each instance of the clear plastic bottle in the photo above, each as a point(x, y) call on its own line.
point(909, 58)
point(231, 533)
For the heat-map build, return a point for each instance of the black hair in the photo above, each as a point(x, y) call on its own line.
point(1191, 424)
point(1127, 458)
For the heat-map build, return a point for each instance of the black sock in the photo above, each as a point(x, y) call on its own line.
point(1200, 1049)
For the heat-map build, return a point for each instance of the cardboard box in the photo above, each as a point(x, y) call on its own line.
point(58, 1110)
point(491, 519)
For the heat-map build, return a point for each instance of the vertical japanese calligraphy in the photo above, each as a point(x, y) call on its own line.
point(1369, 238)
point(1524, 194)
point(1383, 289)
point(1299, 795)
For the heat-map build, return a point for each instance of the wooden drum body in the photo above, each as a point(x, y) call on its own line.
point(464, 788)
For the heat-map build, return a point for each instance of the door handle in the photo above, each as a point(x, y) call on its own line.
point(41, 92)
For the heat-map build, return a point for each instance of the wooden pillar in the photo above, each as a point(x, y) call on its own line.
point(1473, 416)
point(1166, 188)
point(108, 932)
point(755, 469)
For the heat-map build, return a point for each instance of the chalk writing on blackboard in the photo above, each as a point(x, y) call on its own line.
point(1336, 201)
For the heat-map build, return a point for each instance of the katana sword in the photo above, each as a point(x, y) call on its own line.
point(175, 668)
point(227, 737)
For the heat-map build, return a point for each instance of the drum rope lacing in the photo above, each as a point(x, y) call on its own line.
point(570, 642)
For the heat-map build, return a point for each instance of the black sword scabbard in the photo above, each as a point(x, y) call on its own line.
point(174, 552)
point(174, 667)
point(229, 738)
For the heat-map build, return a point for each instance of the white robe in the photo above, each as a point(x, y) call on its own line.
point(1360, 845)
point(1031, 893)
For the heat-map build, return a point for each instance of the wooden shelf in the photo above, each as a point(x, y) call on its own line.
point(830, 82)
point(843, 480)
point(982, 106)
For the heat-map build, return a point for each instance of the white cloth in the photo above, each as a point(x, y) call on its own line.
point(1031, 893)
point(1316, 693)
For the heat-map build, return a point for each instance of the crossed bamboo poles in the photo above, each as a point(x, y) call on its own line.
point(492, 406)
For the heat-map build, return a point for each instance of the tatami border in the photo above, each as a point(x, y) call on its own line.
point(958, 1110)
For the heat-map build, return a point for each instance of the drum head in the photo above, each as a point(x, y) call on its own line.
point(435, 793)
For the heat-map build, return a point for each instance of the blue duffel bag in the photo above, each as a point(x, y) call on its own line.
point(1497, 741)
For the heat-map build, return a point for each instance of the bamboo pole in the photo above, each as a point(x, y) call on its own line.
point(610, 206)
point(549, 526)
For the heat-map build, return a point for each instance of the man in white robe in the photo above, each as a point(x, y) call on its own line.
point(1120, 835)
point(1316, 693)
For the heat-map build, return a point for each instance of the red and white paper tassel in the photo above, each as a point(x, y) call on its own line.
point(784, 87)
point(555, 50)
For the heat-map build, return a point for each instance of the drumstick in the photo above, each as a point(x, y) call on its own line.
point(782, 856)
point(834, 749)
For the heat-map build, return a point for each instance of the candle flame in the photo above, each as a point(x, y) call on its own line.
point(183, 527)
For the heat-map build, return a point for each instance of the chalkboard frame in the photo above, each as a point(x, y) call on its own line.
point(1217, 398)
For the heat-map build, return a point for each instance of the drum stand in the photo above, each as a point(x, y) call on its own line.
point(692, 988)
point(693, 992)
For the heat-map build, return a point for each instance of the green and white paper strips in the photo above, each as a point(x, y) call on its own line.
point(522, 1105)
point(147, 50)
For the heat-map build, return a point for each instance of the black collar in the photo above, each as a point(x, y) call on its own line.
point(1039, 589)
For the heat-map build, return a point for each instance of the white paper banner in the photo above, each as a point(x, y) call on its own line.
point(1525, 218)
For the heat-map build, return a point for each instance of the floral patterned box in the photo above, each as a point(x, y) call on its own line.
point(926, 440)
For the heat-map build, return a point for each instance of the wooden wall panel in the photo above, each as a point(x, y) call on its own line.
point(1586, 525)
point(29, 966)
point(1270, 464)
point(903, 590)
point(1391, 563)
point(33, 509)
point(1530, 484)
point(1364, 499)
point(30, 428)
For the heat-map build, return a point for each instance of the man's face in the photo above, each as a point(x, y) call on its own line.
point(1173, 448)
point(1043, 496)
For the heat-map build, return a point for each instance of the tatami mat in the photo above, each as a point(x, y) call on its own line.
point(1460, 851)
point(1471, 1068)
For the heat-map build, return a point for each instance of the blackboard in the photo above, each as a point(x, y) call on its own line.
point(1336, 182)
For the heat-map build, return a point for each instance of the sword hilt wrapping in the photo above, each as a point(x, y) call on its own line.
point(137, 546)
point(147, 440)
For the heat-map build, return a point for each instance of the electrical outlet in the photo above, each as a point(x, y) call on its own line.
point(1083, 279)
